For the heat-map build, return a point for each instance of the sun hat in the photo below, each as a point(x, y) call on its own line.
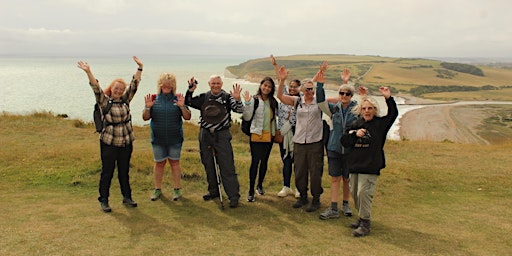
point(213, 112)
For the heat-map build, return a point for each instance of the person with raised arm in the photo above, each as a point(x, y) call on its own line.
point(308, 146)
point(116, 137)
point(214, 135)
point(286, 120)
point(167, 111)
point(366, 137)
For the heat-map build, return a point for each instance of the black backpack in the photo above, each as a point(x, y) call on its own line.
point(246, 125)
point(99, 116)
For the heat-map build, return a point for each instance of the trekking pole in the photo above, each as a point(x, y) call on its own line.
point(217, 172)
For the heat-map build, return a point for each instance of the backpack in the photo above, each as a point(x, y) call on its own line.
point(99, 116)
point(246, 125)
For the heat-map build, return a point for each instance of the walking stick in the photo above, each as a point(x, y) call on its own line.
point(217, 172)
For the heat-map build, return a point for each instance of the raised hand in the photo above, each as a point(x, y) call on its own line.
point(84, 66)
point(247, 96)
point(138, 62)
point(282, 73)
point(181, 100)
point(363, 91)
point(273, 60)
point(236, 91)
point(319, 77)
point(148, 101)
point(192, 85)
point(324, 66)
point(384, 90)
point(345, 75)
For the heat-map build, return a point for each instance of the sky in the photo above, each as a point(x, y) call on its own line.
point(388, 28)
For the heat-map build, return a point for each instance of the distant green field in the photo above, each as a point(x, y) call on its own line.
point(401, 74)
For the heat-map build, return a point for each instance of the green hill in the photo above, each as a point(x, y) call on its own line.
point(420, 77)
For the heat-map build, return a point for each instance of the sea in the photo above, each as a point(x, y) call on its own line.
point(57, 85)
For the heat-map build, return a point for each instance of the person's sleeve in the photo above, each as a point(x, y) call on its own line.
point(320, 99)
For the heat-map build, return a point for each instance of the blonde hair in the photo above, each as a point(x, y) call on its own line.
point(166, 78)
point(357, 110)
point(108, 91)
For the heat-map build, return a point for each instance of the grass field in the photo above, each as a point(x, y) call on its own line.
point(432, 199)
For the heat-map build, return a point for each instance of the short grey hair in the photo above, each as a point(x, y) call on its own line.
point(357, 110)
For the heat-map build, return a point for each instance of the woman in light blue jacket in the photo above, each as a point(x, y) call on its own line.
point(263, 128)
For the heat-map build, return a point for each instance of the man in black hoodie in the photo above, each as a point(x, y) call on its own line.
point(366, 136)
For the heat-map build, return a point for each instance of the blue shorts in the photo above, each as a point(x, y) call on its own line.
point(162, 153)
point(337, 164)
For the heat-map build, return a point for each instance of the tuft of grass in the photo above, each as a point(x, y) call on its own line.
point(431, 199)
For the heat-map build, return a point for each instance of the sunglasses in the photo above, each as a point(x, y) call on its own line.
point(310, 89)
point(367, 108)
point(345, 93)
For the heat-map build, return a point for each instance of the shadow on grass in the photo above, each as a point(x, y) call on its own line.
point(417, 242)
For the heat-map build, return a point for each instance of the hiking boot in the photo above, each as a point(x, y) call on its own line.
point(176, 194)
point(260, 191)
point(363, 229)
point(156, 194)
point(285, 191)
point(233, 203)
point(355, 224)
point(105, 207)
point(129, 202)
point(209, 197)
point(330, 213)
point(315, 205)
point(297, 194)
point(300, 202)
point(346, 210)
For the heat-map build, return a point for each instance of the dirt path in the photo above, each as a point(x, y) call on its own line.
point(440, 123)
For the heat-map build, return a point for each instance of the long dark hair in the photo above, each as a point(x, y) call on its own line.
point(273, 101)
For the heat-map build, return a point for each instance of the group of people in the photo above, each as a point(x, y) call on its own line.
point(354, 147)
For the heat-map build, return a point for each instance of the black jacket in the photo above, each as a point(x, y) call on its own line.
point(367, 155)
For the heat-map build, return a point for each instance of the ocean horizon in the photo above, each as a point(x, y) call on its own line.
point(57, 85)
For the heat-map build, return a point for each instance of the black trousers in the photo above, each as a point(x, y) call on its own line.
point(110, 157)
point(260, 152)
point(221, 142)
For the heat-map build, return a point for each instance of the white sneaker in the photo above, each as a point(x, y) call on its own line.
point(285, 191)
point(297, 193)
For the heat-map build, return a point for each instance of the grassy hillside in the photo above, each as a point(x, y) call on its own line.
point(432, 199)
point(402, 74)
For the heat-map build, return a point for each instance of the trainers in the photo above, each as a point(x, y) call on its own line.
point(250, 198)
point(176, 194)
point(129, 202)
point(285, 191)
point(300, 202)
point(156, 194)
point(329, 213)
point(346, 210)
point(260, 191)
point(297, 193)
point(105, 207)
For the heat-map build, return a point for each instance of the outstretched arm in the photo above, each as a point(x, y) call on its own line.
point(85, 67)
point(285, 99)
point(139, 69)
point(274, 64)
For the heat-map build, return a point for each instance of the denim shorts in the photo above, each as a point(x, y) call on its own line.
point(164, 152)
point(337, 164)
